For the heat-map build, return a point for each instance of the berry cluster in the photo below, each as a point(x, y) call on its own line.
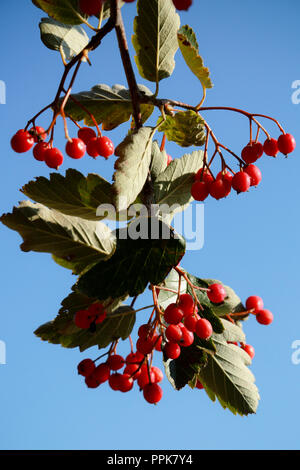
point(87, 141)
point(218, 187)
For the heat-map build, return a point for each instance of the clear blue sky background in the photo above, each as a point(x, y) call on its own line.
point(251, 242)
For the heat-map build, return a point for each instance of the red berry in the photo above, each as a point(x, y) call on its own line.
point(173, 314)
point(134, 358)
point(144, 330)
point(271, 147)
point(169, 159)
point(133, 370)
point(225, 176)
point(187, 337)
point(254, 173)
point(152, 393)
point(101, 373)
point(105, 147)
point(286, 143)
point(190, 322)
point(145, 346)
point(186, 303)
point(91, 148)
point(182, 4)
point(172, 350)
point(90, 7)
point(216, 293)
point(75, 148)
point(254, 302)
point(114, 381)
point(264, 317)
point(143, 379)
point(53, 158)
point(205, 176)
point(199, 385)
point(252, 152)
point(241, 182)
point(86, 367)
point(158, 344)
point(200, 190)
point(38, 133)
point(82, 319)
point(249, 350)
point(91, 381)
point(125, 383)
point(39, 151)
point(115, 362)
point(157, 374)
point(86, 134)
point(219, 188)
point(204, 329)
point(173, 333)
point(22, 141)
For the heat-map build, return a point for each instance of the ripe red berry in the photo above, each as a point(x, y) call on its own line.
point(264, 317)
point(115, 362)
point(219, 188)
point(114, 381)
point(133, 370)
point(186, 303)
point(254, 173)
point(271, 147)
point(190, 322)
point(91, 148)
point(82, 319)
point(216, 293)
point(91, 381)
point(158, 344)
point(86, 367)
point(75, 148)
point(172, 350)
point(145, 346)
point(173, 314)
point(187, 337)
point(22, 141)
point(200, 190)
point(249, 350)
point(39, 151)
point(199, 385)
point(286, 143)
point(101, 373)
point(204, 329)
point(90, 7)
point(157, 374)
point(86, 134)
point(144, 330)
point(143, 379)
point(173, 333)
point(134, 358)
point(169, 159)
point(225, 175)
point(252, 152)
point(152, 393)
point(204, 175)
point(53, 158)
point(105, 147)
point(241, 182)
point(38, 133)
point(182, 4)
point(254, 302)
point(125, 383)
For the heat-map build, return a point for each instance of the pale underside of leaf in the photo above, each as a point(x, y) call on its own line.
point(184, 128)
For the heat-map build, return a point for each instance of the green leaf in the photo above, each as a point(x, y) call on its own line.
point(182, 370)
point(135, 263)
point(185, 128)
point(173, 185)
point(190, 51)
point(66, 11)
point(232, 303)
point(75, 243)
point(227, 376)
point(73, 194)
point(159, 161)
point(118, 324)
point(155, 38)
point(110, 106)
point(68, 40)
point(132, 166)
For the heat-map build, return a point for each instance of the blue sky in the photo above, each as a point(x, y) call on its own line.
point(251, 242)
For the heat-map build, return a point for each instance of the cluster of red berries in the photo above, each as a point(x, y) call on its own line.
point(89, 318)
point(87, 141)
point(136, 368)
point(206, 184)
point(182, 4)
